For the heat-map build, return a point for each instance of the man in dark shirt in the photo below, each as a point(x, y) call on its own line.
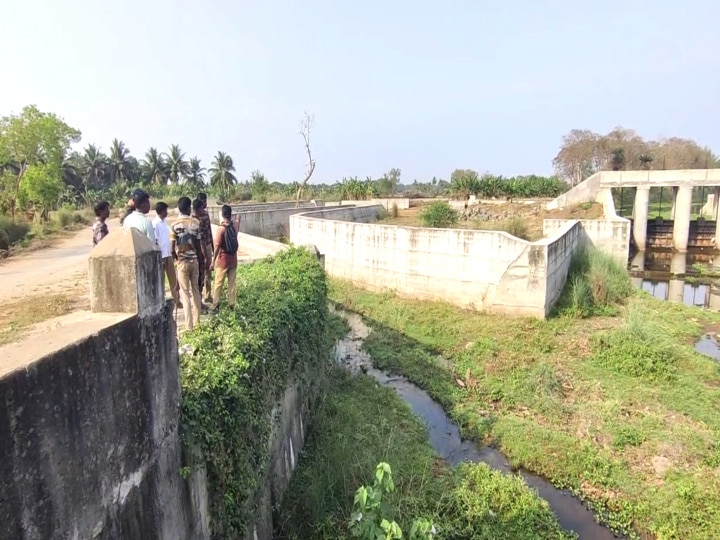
point(206, 286)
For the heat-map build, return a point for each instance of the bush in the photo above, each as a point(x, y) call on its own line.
point(63, 218)
point(439, 214)
point(13, 232)
point(394, 211)
point(517, 227)
point(638, 349)
point(596, 284)
point(235, 367)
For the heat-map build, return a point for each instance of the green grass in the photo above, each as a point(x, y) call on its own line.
point(620, 408)
point(359, 424)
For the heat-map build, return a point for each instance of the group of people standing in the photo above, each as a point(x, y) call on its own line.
point(190, 252)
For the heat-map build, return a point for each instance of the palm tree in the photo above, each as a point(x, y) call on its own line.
point(221, 174)
point(195, 177)
point(154, 167)
point(177, 165)
point(93, 168)
point(120, 163)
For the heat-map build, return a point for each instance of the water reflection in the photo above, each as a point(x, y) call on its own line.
point(677, 277)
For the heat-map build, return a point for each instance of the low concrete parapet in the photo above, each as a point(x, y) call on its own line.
point(476, 269)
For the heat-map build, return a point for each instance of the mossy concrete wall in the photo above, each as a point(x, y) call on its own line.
point(90, 424)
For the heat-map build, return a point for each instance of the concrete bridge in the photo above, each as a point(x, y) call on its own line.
point(600, 185)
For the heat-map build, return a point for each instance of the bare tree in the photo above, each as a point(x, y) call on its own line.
point(306, 126)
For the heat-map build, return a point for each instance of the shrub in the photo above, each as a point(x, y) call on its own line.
point(517, 227)
point(235, 367)
point(15, 231)
point(596, 284)
point(394, 211)
point(63, 218)
point(439, 214)
point(638, 349)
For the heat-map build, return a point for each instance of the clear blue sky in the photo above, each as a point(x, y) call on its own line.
point(424, 86)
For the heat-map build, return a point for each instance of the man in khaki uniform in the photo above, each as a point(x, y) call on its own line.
point(186, 244)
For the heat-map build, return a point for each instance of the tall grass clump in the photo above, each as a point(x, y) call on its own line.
point(638, 349)
point(439, 214)
point(517, 227)
point(12, 232)
point(394, 211)
point(596, 285)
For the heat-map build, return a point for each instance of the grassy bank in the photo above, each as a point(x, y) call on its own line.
point(613, 403)
point(359, 424)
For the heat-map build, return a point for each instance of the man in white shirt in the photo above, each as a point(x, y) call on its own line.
point(138, 206)
point(162, 236)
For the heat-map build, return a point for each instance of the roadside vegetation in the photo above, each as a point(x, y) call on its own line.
point(607, 398)
point(17, 316)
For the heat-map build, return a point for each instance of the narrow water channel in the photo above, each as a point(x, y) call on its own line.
point(445, 437)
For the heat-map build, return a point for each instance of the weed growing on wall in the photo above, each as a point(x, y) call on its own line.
point(235, 367)
point(439, 214)
point(596, 285)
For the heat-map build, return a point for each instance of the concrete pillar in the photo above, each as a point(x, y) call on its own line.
point(674, 197)
point(681, 223)
point(637, 265)
point(126, 274)
point(640, 214)
point(716, 214)
point(676, 287)
point(715, 196)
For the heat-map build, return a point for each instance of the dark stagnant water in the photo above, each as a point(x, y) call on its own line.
point(445, 437)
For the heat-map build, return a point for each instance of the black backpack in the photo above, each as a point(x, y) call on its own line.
point(231, 240)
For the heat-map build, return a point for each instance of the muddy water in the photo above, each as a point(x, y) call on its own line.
point(445, 436)
point(709, 346)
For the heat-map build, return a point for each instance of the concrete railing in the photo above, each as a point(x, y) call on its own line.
point(483, 270)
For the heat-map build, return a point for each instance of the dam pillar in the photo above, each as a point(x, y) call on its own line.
point(674, 198)
point(640, 216)
point(681, 218)
point(637, 265)
point(676, 286)
point(716, 215)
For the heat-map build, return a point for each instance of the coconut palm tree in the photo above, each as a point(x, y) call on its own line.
point(221, 174)
point(119, 163)
point(155, 169)
point(195, 177)
point(177, 165)
point(93, 168)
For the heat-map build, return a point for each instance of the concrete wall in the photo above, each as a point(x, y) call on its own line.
point(611, 236)
point(401, 203)
point(259, 247)
point(271, 224)
point(484, 270)
point(89, 428)
point(214, 210)
point(585, 191)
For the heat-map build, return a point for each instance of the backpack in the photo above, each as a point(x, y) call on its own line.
point(231, 241)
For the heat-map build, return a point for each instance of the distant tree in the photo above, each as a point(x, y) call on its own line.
point(154, 167)
point(306, 125)
point(177, 166)
point(618, 159)
point(31, 138)
point(221, 174)
point(259, 186)
point(41, 185)
point(195, 177)
point(120, 163)
point(93, 167)
point(393, 176)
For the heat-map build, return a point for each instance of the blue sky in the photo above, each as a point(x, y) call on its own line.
point(424, 86)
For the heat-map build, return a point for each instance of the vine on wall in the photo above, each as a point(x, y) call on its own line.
point(236, 366)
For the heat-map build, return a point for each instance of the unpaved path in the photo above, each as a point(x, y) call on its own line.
point(56, 269)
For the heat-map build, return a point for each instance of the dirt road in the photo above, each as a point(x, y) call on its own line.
point(49, 270)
